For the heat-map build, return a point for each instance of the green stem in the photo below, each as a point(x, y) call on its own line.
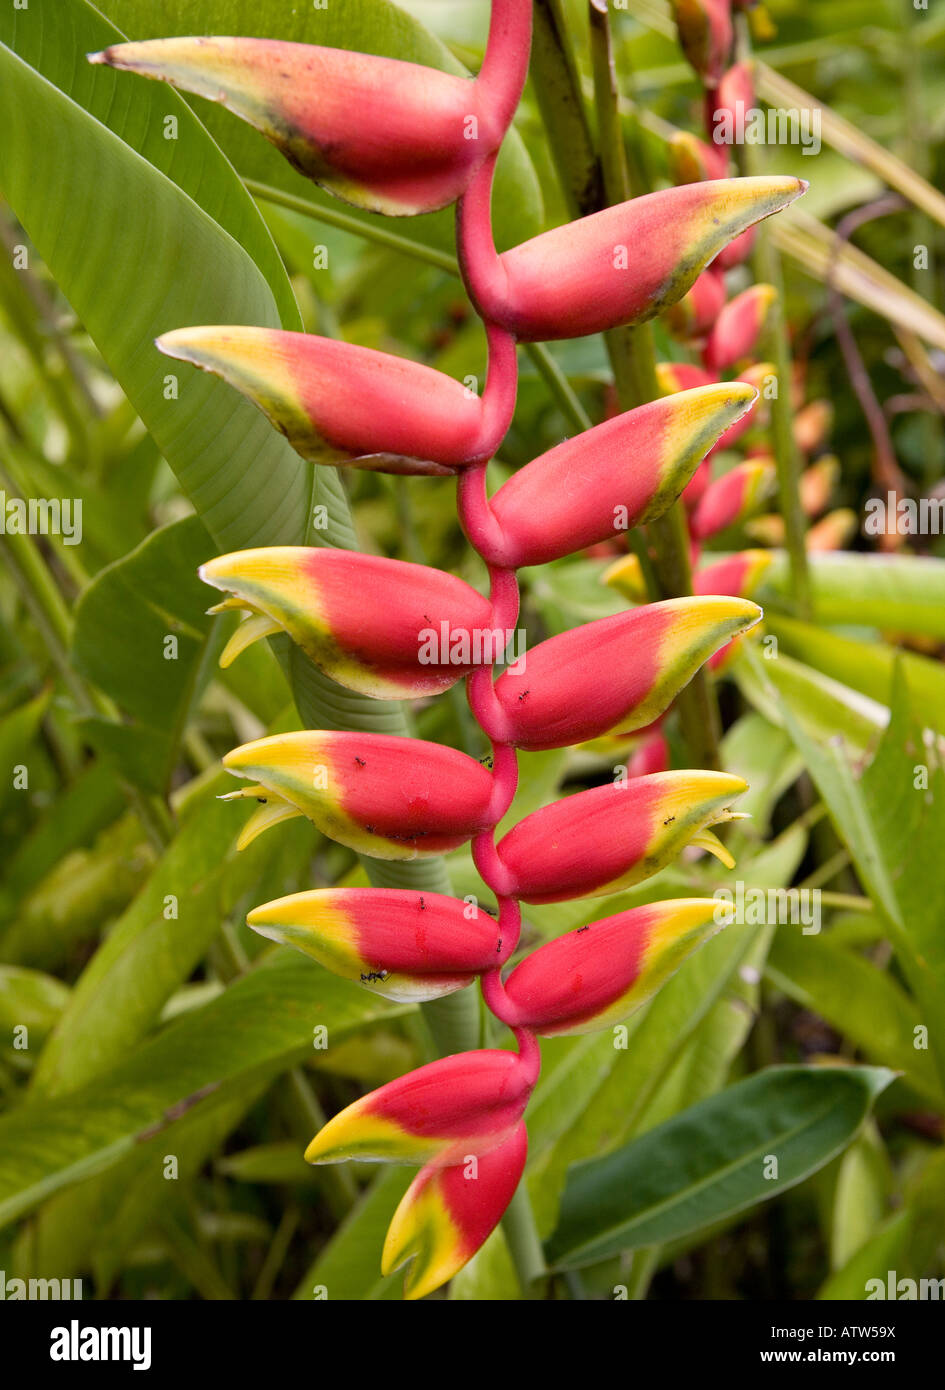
point(524, 1242)
point(766, 262)
point(633, 358)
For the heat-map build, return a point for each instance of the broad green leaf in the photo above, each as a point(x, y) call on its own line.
point(349, 1267)
point(151, 950)
point(825, 707)
point(892, 819)
point(29, 999)
point(54, 36)
point(866, 666)
point(860, 1194)
point(141, 635)
point(861, 1001)
point(885, 1250)
point(259, 1026)
point(367, 26)
point(898, 593)
point(711, 1161)
point(18, 729)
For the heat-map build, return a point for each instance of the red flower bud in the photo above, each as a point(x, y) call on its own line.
point(619, 266)
point(338, 403)
point(395, 942)
point(739, 574)
point(331, 114)
point(738, 327)
point(732, 497)
point(447, 1214)
point(705, 34)
point(611, 837)
point(691, 160)
point(612, 477)
point(390, 797)
point(383, 627)
point(603, 972)
point(616, 674)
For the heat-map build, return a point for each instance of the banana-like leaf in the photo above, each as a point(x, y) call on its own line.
point(713, 1160)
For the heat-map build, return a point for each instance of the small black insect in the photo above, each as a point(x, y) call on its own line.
point(360, 762)
point(669, 820)
point(580, 929)
point(374, 975)
point(423, 906)
point(499, 946)
point(523, 694)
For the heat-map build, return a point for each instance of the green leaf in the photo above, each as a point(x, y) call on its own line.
point(898, 593)
point(29, 999)
point(883, 1251)
point(825, 707)
point(349, 1267)
point(259, 1026)
point(861, 1001)
point(892, 819)
point(141, 634)
point(710, 1162)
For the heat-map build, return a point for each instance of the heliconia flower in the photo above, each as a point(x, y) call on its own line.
point(735, 91)
point(616, 674)
point(737, 251)
point(620, 266)
point(738, 327)
point(389, 797)
point(461, 1105)
point(611, 837)
point(603, 972)
point(741, 574)
point(692, 160)
point(732, 497)
point(338, 403)
point(705, 34)
point(833, 531)
point(329, 110)
point(612, 477)
point(652, 755)
point(447, 1214)
point(812, 425)
point(817, 483)
point(693, 315)
point(398, 943)
point(626, 576)
point(383, 627)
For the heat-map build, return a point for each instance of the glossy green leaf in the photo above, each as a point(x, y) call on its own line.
point(710, 1161)
point(262, 1024)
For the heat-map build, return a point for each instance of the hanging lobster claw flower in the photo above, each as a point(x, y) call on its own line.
point(620, 266)
point(389, 797)
point(834, 531)
point(734, 95)
point(651, 755)
point(337, 403)
point(693, 315)
point(691, 160)
point(816, 484)
point(626, 576)
point(608, 838)
point(447, 1214)
point(603, 972)
point(732, 497)
point(385, 628)
point(705, 35)
point(616, 674)
point(462, 1105)
point(398, 943)
point(329, 111)
point(738, 327)
point(612, 477)
point(741, 574)
point(812, 425)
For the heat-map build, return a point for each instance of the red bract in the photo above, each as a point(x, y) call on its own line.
point(331, 113)
point(732, 497)
point(738, 327)
point(612, 837)
point(600, 483)
point(338, 403)
point(616, 674)
point(620, 266)
point(384, 627)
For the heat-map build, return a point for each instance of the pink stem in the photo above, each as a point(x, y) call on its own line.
point(505, 63)
point(483, 273)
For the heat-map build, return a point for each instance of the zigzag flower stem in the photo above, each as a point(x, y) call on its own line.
point(372, 624)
